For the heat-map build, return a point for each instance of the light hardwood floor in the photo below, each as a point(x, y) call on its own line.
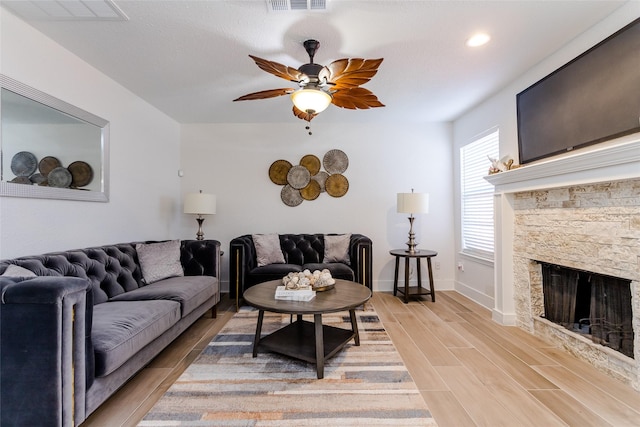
point(470, 370)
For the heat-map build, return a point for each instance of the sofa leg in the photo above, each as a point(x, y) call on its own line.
point(214, 311)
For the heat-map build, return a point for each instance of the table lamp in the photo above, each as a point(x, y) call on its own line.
point(412, 203)
point(200, 204)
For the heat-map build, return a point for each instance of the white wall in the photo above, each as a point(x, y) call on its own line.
point(144, 186)
point(232, 161)
point(477, 281)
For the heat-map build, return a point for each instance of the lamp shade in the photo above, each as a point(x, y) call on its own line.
point(311, 100)
point(413, 203)
point(200, 203)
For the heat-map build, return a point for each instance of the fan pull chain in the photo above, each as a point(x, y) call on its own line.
point(309, 129)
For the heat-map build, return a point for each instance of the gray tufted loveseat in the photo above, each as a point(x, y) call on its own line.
point(74, 334)
point(301, 251)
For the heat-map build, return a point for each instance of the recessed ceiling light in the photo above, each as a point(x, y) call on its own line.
point(478, 39)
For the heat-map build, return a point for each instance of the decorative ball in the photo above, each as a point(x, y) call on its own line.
point(306, 279)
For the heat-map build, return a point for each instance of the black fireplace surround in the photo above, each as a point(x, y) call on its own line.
point(594, 305)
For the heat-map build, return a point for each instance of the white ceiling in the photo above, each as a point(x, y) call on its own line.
point(189, 58)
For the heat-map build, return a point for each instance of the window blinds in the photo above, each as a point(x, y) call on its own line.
point(477, 196)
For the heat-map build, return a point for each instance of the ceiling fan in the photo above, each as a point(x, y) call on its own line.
point(337, 84)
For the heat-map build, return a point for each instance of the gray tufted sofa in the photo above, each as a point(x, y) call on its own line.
point(301, 251)
point(74, 334)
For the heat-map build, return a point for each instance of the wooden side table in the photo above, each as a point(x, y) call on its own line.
point(410, 291)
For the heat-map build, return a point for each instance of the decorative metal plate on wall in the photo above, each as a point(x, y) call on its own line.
point(312, 163)
point(59, 177)
point(335, 161)
point(47, 164)
point(337, 185)
point(23, 163)
point(290, 196)
point(81, 173)
point(278, 171)
point(51, 171)
point(306, 181)
point(321, 178)
point(311, 191)
point(298, 177)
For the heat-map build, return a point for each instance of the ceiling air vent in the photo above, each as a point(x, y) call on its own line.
point(66, 10)
point(282, 5)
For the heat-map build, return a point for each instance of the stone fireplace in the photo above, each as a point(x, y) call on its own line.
point(581, 212)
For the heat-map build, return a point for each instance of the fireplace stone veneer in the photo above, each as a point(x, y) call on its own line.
point(590, 227)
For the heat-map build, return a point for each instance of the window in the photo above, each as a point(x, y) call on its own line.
point(477, 196)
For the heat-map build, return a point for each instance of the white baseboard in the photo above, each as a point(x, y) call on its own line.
point(503, 318)
point(474, 295)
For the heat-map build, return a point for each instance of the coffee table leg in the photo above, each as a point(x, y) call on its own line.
point(354, 326)
point(319, 345)
point(256, 340)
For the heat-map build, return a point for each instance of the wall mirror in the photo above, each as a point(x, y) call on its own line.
point(50, 149)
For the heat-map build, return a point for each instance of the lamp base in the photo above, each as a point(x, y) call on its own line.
point(411, 247)
point(412, 240)
point(200, 233)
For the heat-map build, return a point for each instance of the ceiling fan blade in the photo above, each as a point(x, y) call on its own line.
point(350, 73)
point(356, 99)
point(302, 115)
point(279, 70)
point(271, 93)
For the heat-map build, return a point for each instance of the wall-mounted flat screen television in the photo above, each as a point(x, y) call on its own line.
point(593, 98)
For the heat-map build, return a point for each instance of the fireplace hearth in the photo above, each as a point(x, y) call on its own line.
point(596, 306)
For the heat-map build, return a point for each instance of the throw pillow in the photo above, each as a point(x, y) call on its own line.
point(336, 248)
point(159, 260)
point(18, 272)
point(268, 249)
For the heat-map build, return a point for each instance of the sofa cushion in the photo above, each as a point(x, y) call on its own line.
point(159, 260)
point(302, 248)
point(18, 272)
point(336, 248)
point(123, 328)
point(268, 249)
point(338, 270)
point(189, 291)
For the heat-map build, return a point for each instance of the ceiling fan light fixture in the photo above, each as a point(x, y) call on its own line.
point(318, 85)
point(311, 100)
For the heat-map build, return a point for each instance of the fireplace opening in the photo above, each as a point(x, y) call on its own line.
point(594, 305)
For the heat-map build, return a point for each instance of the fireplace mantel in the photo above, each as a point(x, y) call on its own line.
point(613, 161)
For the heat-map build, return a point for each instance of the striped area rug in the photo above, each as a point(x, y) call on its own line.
point(366, 385)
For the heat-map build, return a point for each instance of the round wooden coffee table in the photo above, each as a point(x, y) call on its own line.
point(309, 341)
